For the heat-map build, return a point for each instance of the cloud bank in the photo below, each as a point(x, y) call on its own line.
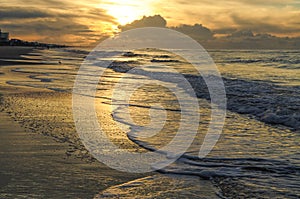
point(213, 23)
point(151, 21)
point(276, 17)
point(233, 39)
point(60, 23)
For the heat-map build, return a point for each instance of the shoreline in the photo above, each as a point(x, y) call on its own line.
point(40, 99)
point(34, 165)
point(33, 162)
point(67, 158)
point(37, 164)
point(54, 158)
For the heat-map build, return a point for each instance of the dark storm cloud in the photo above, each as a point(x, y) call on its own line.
point(152, 21)
point(266, 25)
point(58, 31)
point(96, 14)
point(247, 39)
point(224, 31)
point(197, 31)
point(13, 13)
point(241, 39)
point(52, 24)
point(242, 33)
point(276, 17)
point(49, 27)
point(21, 13)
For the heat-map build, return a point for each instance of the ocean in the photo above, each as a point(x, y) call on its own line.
point(257, 154)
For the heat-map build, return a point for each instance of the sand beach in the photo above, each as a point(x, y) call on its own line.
point(35, 162)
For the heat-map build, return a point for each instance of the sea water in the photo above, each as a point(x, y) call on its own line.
point(257, 154)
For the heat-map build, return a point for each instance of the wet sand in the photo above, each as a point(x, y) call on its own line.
point(41, 156)
point(36, 166)
point(162, 186)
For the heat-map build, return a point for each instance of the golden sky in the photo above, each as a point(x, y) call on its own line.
point(86, 21)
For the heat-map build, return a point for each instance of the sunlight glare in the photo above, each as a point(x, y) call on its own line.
point(128, 10)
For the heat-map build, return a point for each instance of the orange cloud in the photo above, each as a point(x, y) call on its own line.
point(87, 21)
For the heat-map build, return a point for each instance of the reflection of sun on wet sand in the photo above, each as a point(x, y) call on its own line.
point(33, 164)
point(60, 167)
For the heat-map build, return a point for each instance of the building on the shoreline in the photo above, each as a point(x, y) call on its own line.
point(4, 37)
point(6, 41)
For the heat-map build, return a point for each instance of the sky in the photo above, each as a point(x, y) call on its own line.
point(86, 22)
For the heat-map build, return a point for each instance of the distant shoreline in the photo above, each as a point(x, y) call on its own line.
point(21, 43)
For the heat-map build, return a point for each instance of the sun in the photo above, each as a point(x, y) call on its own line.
point(128, 10)
point(124, 14)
